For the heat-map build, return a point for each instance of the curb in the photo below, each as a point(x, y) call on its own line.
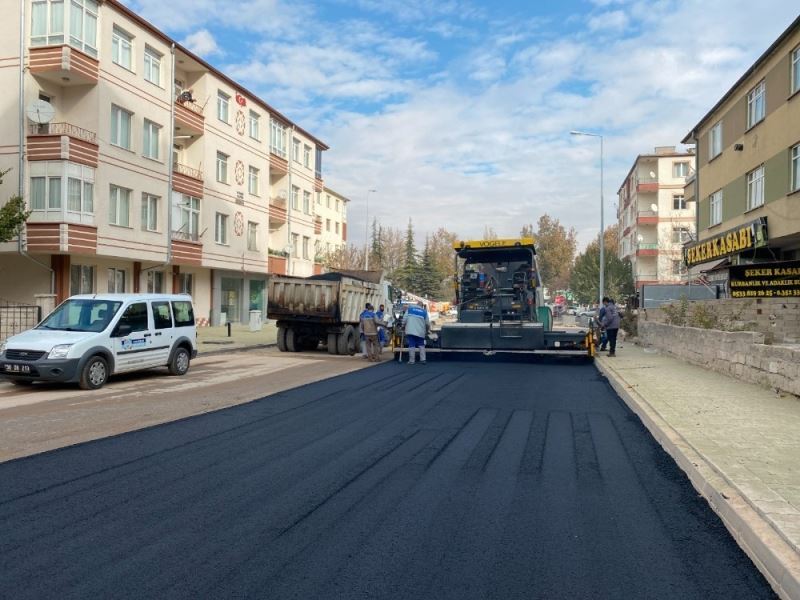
point(770, 552)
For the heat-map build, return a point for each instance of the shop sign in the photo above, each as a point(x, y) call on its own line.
point(746, 237)
point(766, 280)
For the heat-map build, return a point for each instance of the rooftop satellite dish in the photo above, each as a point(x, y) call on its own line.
point(652, 175)
point(654, 207)
point(639, 239)
point(282, 194)
point(40, 111)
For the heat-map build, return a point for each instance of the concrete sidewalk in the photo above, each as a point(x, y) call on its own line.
point(738, 443)
point(215, 339)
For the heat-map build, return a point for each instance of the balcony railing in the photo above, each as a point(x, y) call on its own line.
point(187, 236)
point(648, 213)
point(192, 105)
point(63, 129)
point(648, 246)
point(188, 171)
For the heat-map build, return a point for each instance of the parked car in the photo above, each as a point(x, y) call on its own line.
point(87, 338)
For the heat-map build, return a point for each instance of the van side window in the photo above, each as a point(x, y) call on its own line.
point(162, 319)
point(184, 313)
point(135, 316)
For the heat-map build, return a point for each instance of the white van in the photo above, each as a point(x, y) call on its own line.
point(89, 337)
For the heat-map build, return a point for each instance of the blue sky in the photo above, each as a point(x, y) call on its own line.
point(458, 112)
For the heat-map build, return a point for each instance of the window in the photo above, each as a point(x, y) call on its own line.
point(319, 198)
point(680, 169)
point(152, 65)
point(318, 163)
point(48, 18)
point(795, 167)
point(755, 188)
point(155, 285)
point(190, 218)
point(252, 181)
point(307, 202)
point(150, 139)
point(135, 317)
point(327, 201)
point(252, 235)
point(327, 224)
point(296, 245)
point(296, 150)
point(221, 229)
point(116, 285)
point(121, 127)
point(715, 207)
point(254, 125)
point(715, 140)
point(756, 104)
point(222, 106)
point(80, 195)
point(795, 70)
point(295, 197)
point(337, 205)
point(122, 48)
point(119, 206)
point(45, 193)
point(678, 202)
point(337, 227)
point(81, 279)
point(681, 235)
point(162, 316)
point(277, 138)
point(222, 167)
point(149, 212)
point(51, 180)
point(306, 240)
point(307, 156)
point(183, 311)
point(185, 281)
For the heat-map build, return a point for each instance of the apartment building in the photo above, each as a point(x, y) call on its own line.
point(145, 168)
point(655, 216)
point(332, 214)
point(748, 165)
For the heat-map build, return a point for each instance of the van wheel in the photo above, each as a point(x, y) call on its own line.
point(332, 342)
point(347, 341)
point(292, 341)
point(282, 339)
point(180, 362)
point(94, 374)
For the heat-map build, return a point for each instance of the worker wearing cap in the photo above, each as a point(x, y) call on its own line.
point(417, 325)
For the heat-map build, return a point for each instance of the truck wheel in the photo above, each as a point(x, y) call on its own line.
point(292, 344)
point(347, 341)
point(94, 374)
point(179, 364)
point(282, 339)
point(332, 343)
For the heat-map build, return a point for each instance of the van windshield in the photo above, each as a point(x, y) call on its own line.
point(81, 315)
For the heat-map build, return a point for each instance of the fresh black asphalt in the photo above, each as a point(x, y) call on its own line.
point(447, 480)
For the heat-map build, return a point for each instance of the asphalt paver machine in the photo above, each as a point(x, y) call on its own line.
point(501, 306)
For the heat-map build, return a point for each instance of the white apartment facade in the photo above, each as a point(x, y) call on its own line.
point(656, 218)
point(332, 214)
point(150, 174)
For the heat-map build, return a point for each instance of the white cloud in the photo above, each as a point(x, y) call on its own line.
point(611, 21)
point(202, 43)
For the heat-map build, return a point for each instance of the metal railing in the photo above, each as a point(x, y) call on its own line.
point(188, 171)
point(186, 236)
point(16, 318)
point(190, 105)
point(648, 246)
point(63, 129)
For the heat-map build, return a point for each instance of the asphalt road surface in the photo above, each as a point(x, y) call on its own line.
point(447, 480)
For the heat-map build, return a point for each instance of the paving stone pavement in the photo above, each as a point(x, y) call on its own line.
point(738, 442)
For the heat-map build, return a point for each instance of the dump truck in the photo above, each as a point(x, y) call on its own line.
point(500, 305)
point(323, 309)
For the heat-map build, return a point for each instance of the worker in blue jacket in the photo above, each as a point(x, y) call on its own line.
point(417, 326)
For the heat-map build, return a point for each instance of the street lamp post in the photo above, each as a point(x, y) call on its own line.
point(366, 234)
point(602, 225)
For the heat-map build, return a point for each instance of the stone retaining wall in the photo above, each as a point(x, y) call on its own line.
point(740, 354)
point(779, 320)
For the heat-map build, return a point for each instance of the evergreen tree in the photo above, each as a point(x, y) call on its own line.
point(376, 253)
point(429, 279)
point(406, 276)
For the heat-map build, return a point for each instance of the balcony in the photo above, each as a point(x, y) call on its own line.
point(317, 225)
point(62, 141)
point(646, 185)
point(276, 265)
point(647, 249)
point(277, 212)
point(187, 180)
point(278, 165)
point(185, 250)
point(189, 119)
point(647, 217)
point(319, 185)
point(63, 65)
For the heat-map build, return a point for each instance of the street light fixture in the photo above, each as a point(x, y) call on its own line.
point(366, 234)
point(602, 225)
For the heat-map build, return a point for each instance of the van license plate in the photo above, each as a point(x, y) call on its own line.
point(16, 368)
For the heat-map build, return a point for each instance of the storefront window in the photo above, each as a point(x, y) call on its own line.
point(257, 295)
point(231, 299)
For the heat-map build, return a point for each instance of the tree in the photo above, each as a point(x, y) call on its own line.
point(443, 256)
point(12, 215)
point(555, 247)
point(526, 231)
point(376, 247)
point(344, 257)
point(585, 278)
point(406, 276)
point(429, 279)
point(489, 233)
